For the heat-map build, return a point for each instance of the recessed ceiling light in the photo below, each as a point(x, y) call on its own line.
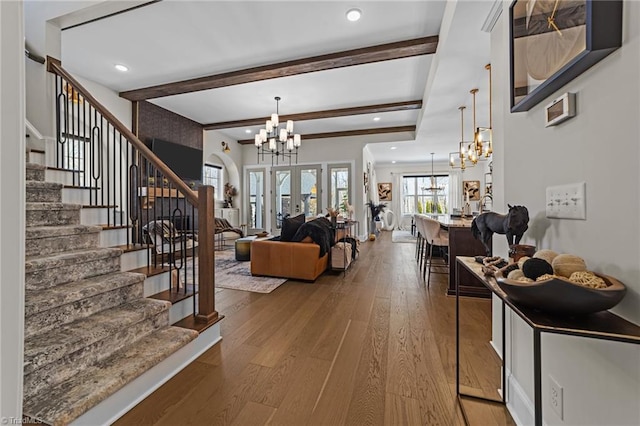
point(394, 147)
point(376, 118)
point(248, 131)
point(354, 14)
point(121, 67)
point(393, 162)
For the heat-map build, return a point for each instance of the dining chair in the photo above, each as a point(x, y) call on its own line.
point(438, 237)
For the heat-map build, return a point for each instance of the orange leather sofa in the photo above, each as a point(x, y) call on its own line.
point(295, 260)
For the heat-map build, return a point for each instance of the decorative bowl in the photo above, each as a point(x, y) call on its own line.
point(563, 297)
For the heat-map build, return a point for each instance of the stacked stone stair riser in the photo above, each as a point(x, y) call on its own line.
point(43, 192)
point(43, 214)
point(35, 172)
point(59, 305)
point(49, 240)
point(97, 382)
point(98, 342)
point(43, 272)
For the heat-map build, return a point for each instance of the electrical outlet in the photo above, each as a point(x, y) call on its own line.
point(567, 201)
point(555, 396)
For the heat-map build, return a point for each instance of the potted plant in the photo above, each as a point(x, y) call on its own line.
point(375, 209)
point(230, 191)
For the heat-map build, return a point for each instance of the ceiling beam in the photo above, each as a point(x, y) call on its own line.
point(366, 55)
point(332, 113)
point(359, 132)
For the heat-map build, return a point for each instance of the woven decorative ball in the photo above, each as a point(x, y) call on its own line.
point(522, 260)
point(372, 237)
point(566, 264)
point(545, 254)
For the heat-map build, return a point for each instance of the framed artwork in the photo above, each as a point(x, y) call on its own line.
point(554, 41)
point(471, 189)
point(384, 191)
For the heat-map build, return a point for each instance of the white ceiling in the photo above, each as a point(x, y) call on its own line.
point(171, 41)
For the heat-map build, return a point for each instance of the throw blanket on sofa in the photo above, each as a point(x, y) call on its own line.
point(320, 231)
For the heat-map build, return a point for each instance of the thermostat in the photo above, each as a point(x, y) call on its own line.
point(560, 109)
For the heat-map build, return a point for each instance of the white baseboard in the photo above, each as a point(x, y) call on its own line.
point(519, 405)
point(118, 404)
point(495, 348)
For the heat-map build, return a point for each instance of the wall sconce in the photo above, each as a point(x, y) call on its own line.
point(225, 147)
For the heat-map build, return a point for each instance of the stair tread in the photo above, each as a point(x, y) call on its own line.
point(35, 166)
point(44, 348)
point(58, 259)
point(40, 205)
point(43, 231)
point(37, 301)
point(127, 248)
point(150, 270)
point(66, 401)
point(42, 184)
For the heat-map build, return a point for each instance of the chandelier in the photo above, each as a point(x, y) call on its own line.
point(279, 142)
point(433, 187)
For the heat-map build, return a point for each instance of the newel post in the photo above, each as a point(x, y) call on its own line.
point(206, 267)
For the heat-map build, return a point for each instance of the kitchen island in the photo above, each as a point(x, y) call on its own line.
point(462, 243)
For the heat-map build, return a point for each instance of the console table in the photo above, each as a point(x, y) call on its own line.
point(601, 325)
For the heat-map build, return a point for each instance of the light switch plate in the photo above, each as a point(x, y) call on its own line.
point(567, 201)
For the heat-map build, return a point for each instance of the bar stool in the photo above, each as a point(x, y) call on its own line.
point(435, 236)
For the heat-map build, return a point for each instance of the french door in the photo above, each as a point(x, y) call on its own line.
point(295, 190)
point(256, 201)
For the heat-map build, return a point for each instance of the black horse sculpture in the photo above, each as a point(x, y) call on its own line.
point(514, 224)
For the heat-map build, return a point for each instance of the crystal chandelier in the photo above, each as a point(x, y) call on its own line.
point(279, 142)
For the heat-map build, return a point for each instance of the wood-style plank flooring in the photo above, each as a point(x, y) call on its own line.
point(374, 347)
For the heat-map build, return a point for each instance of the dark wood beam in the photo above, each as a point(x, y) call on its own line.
point(332, 113)
point(366, 55)
point(359, 132)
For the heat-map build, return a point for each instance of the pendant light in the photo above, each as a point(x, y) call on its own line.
point(432, 187)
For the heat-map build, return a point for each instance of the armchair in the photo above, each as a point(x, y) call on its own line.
point(168, 243)
point(222, 230)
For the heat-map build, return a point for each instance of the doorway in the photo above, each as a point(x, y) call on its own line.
point(295, 190)
point(255, 203)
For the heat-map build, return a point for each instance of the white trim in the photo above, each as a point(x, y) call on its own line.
point(492, 17)
point(519, 405)
point(118, 404)
point(12, 208)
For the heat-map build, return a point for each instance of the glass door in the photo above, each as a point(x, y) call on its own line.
point(296, 189)
point(256, 210)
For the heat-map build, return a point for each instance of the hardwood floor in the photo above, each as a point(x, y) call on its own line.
point(372, 347)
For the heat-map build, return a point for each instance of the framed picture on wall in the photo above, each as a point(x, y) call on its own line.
point(384, 191)
point(471, 189)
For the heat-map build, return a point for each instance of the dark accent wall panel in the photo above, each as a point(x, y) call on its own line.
point(156, 122)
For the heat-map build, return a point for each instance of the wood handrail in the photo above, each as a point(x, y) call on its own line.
point(54, 66)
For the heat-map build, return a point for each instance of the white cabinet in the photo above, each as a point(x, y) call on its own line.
point(232, 215)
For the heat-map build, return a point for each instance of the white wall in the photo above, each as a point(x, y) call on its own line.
point(324, 151)
point(601, 380)
point(232, 161)
point(12, 208)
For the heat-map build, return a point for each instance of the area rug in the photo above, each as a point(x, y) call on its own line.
point(236, 275)
point(399, 236)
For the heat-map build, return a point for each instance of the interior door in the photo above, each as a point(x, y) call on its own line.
point(295, 190)
point(256, 199)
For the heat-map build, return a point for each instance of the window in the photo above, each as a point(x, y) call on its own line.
point(417, 197)
point(339, 176)
point(212, 175)
point(73, 154)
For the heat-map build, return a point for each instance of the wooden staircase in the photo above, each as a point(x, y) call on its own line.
point(89, 328)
